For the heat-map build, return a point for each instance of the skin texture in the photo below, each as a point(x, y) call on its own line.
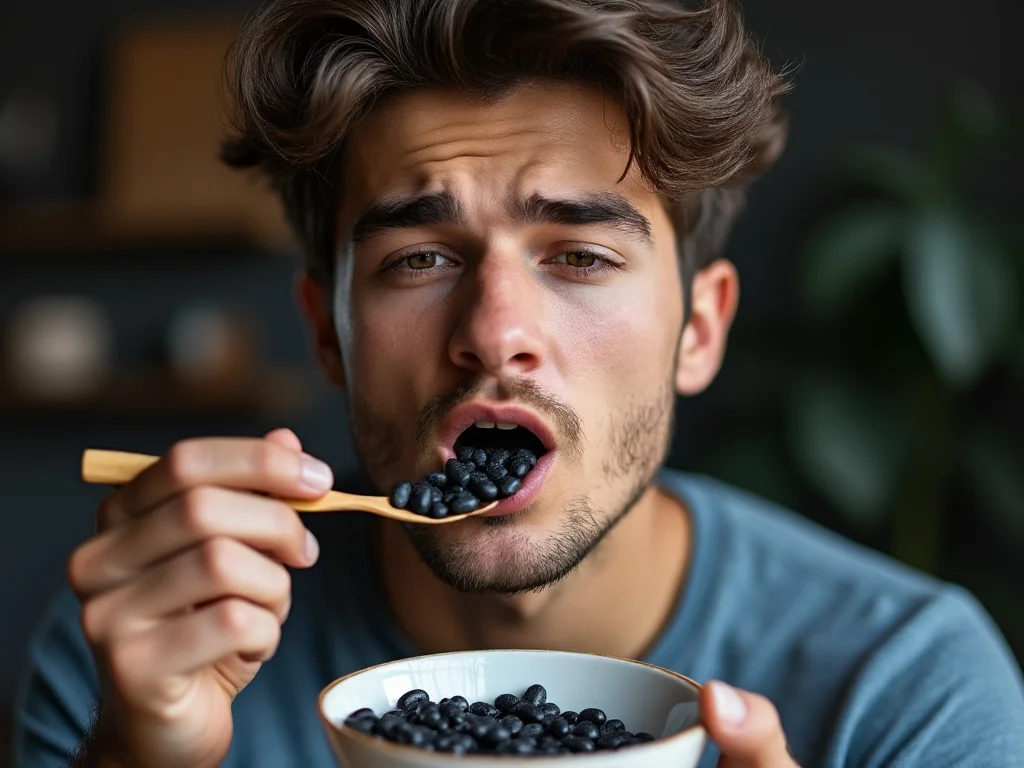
point(184, 587)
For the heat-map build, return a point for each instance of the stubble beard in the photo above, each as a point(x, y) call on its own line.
point(503, 556)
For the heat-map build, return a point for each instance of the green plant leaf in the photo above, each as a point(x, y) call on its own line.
point(893, 172)
point(996, 466)
point(846, 252)
point(961, 293)
point(971, 124)
point(850, 443)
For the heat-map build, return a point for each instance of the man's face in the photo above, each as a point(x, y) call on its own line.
point(493, 268)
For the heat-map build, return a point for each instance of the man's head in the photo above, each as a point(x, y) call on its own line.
point(512, 212)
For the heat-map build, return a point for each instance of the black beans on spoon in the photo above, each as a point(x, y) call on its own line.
point(475, 477)
point(513, 725)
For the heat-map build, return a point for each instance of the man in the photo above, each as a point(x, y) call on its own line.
point(514, 214)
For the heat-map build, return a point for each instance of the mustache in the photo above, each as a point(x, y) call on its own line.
point(568, 427)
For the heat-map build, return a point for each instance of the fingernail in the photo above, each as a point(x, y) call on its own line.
point(728, 703)
point(312, 550)
point(316, 475)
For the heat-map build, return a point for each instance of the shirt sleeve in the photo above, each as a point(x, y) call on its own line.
point(58, 691)
point(942, 691)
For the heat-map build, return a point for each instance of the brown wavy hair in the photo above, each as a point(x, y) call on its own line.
point(701, 101)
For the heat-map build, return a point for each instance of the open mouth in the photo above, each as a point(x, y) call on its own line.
point(497, 439)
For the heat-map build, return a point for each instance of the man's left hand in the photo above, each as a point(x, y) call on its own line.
point(745, 726)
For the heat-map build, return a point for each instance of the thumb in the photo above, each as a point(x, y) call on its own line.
point(745, 726)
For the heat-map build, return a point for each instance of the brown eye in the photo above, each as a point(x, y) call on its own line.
point(422, 260)
point(580, 259)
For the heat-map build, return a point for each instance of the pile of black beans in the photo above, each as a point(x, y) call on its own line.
point(512, 725)
point(474, 477)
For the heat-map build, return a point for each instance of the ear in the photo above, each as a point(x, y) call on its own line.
point(313, 300)
point(713, 298)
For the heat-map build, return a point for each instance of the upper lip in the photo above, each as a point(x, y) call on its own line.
point(465, 416)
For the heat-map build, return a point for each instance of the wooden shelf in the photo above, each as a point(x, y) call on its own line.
point(44, 228)
point(159, 394)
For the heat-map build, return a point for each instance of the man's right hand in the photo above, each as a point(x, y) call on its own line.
point(184, 591)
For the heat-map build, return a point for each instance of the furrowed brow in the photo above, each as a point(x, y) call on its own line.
point(405, 212)
point(603, 208)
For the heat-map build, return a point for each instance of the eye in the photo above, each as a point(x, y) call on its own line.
point(581, 259)
point(424, 261)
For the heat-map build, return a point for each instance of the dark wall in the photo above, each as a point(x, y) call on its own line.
point(864, 72)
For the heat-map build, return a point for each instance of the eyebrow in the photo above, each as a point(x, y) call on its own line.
point(406, 212)
point(596, 208)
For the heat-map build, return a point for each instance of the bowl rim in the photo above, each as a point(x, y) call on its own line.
point(389, 746)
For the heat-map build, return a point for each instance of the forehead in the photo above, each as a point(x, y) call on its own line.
point(541, 137)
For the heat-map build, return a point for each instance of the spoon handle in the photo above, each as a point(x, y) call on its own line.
point(113, 467)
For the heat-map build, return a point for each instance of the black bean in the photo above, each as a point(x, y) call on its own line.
point(508, 485)
point(412, 699)
point(613, 725)
point(438, 510)
point(451, 492)
point(496, 735)
point(559, 727)
point(643, 736)
point(533, 730)
point(418, 736)
point(395, 713)
point(578, 744)
point(612, 740)
point(496, 471)
point(513, 723)
point(463, 503)
point(365, 712)
point(483, 709)
point(548, 744)
point(499, 456)
point(479, 457)
point(460, 702)
point(400, 493)
point(361, 724)
point(470, 466)
point(518, 467)
point(536, 694)
point(586, 729)
point(484, 489)
point(421, 499)
point(550, 709)
point(529, 713)
point(437, 479)
point(569, 716)
point(526, 453)
point(506, 703)
point(593, 715)
point(464, 453)
point(520, 747)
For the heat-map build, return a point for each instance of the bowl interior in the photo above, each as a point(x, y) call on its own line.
point(645, 698)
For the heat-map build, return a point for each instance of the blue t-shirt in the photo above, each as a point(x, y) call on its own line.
point(869, 664)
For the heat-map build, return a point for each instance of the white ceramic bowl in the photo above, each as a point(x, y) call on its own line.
point(644, 697)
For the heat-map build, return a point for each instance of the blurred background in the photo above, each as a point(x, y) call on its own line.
point(873, 382)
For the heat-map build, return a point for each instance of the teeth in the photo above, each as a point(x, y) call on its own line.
point(502, 425)
point(484, 425)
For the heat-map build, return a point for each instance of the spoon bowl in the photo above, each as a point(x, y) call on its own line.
point(118, 467)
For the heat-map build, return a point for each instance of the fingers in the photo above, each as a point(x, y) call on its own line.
point(120, 553)
point(192, 641)
point(215, 569)
point(745, 726)
point(264, 466)
point(285, 437)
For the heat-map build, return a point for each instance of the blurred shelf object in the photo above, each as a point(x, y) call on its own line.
point(161, 179)
point(158, 394)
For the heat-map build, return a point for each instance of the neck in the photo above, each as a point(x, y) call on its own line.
point(616, 603)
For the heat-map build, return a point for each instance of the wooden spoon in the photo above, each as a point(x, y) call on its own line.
point(117, 468)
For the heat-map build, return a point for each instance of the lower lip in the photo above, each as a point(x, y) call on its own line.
point(532, 484)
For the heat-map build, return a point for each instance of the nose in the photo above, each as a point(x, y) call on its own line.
point(501, 329)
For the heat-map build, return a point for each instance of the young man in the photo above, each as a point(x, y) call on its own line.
point(514, 214)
